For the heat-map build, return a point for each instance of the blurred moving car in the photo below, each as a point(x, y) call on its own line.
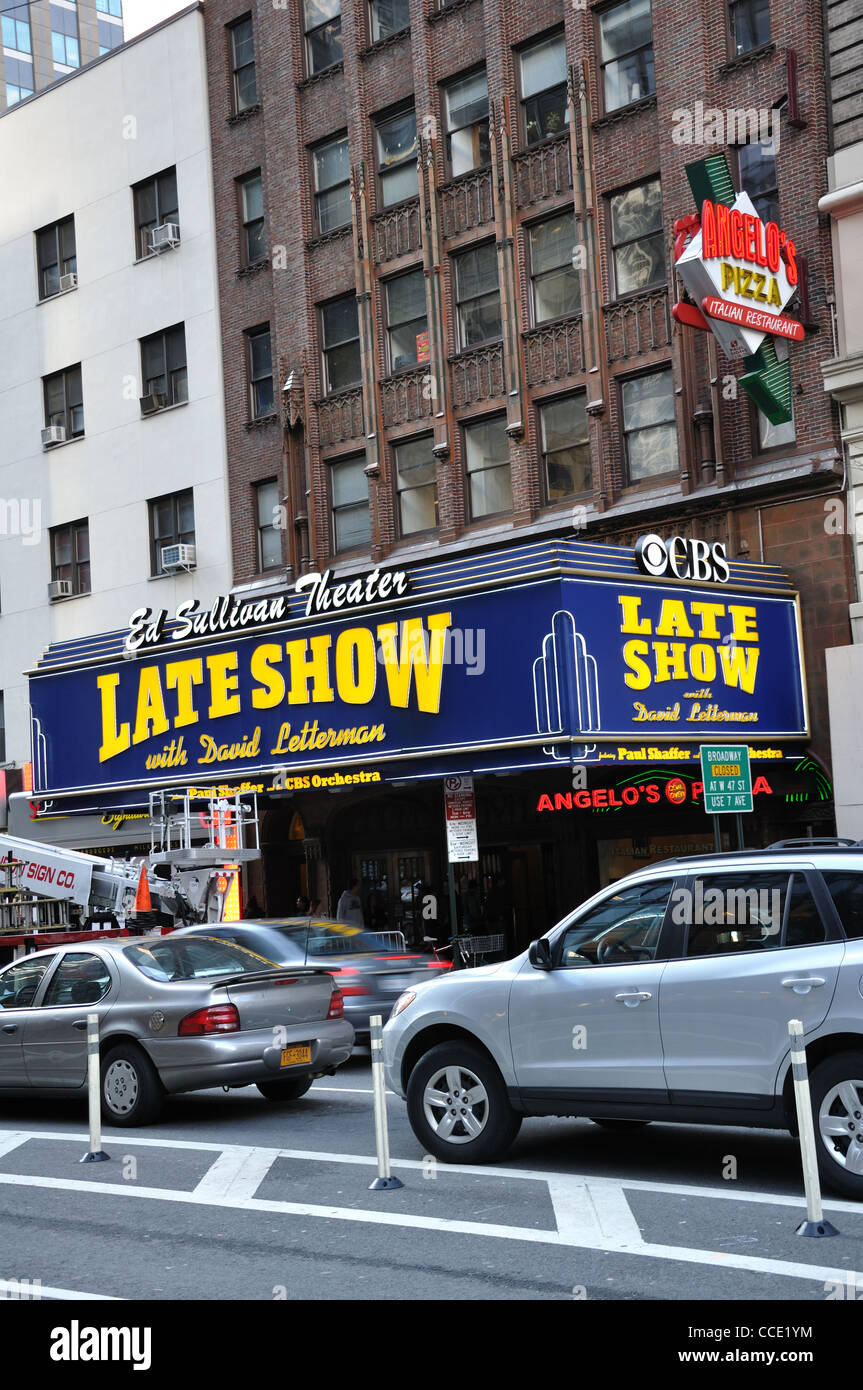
point(174, 1015)
point(369, 975)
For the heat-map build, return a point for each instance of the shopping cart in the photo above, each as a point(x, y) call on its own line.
point(476, 949)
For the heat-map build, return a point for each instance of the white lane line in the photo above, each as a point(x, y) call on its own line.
point(27, 1292)
point(349, 1091)
point(725, 1193)
point(680, 1254)
point(236, 1174)
point(12, 1141)
point(593, 1209)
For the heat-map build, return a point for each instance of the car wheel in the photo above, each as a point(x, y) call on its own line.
point(619, 1124)
point(458, 1106)
point(285, 1090)
point(837, 1105)
point(131, 1091)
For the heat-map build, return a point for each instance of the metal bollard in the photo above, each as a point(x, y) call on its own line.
point(96, 1153)
point(814, 1225)
point(384, 1180)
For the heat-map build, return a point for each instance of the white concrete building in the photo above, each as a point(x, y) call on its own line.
point(91, 321)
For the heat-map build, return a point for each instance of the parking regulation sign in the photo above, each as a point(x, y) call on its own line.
point(461, 840)
point(726, 777)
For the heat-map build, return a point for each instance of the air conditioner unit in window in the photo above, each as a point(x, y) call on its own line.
point(69, 282)
point(165, 237)
point(60, 588)
point(53, 434)
point(178, 557)
point(157, 400)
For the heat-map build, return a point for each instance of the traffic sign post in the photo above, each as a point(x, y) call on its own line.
point(727, 784)
point(461, 841)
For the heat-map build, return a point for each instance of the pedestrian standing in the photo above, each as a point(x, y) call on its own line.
point(350, 909)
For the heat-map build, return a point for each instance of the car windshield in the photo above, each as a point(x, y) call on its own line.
point(194, 958)
point(320, 938)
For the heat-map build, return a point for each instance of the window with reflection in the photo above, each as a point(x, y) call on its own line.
point(488, 467)
point(416, 486)
point(555, 284)
point(637, 238)
point(626, 53)
point(543, 89)
point(467, 133)
point(397, 157)
point(649, 428)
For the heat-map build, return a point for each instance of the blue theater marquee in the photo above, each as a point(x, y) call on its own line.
point(530, 656)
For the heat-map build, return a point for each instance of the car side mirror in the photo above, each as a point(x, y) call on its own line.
point(539, 954)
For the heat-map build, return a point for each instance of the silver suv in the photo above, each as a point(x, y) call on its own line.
point(666, 996)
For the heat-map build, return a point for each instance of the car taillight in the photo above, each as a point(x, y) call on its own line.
point(348, 989)
point(218, 1018)
point(440, 965)
point(337, 1005)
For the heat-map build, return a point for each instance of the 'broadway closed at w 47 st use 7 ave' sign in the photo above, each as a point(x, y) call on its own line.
point(726, 777)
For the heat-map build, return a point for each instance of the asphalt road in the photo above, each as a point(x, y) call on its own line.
point(230, 1197)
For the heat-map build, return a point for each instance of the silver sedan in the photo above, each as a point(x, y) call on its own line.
point(174, 1015)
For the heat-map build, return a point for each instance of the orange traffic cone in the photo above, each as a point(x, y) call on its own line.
point(143, 901)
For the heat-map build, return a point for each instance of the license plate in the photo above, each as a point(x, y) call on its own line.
point(295, 1056)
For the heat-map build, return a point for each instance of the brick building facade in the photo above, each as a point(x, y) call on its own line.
point(470, 324)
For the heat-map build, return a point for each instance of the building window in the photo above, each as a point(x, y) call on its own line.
point(269, 534)
point(637, 237)
point(163, 365)
point(110, 36)
point(155, 204)
point(114, 7)
point(543, 89)
point(70, 555)
point(64, 401)
point(389, 17)
point(56, 255)
point(489, 477)
point(757, 164)
point(649, 428)
point(626, 53)
point(555, 283)
point(407, 326)
point(259, 358)
point(352, 525)
point(15, 22)
point(172, 522)
point(467, 134)
point(397, 157)
point(332, 168)
point(340, 337)
point(565, 446)
point(415, 485)
point(23, 86)
point(64, 37)
point(323, 26)
point(477, 295)
point(245, 81)
point(750, 24)
point(254, 247)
